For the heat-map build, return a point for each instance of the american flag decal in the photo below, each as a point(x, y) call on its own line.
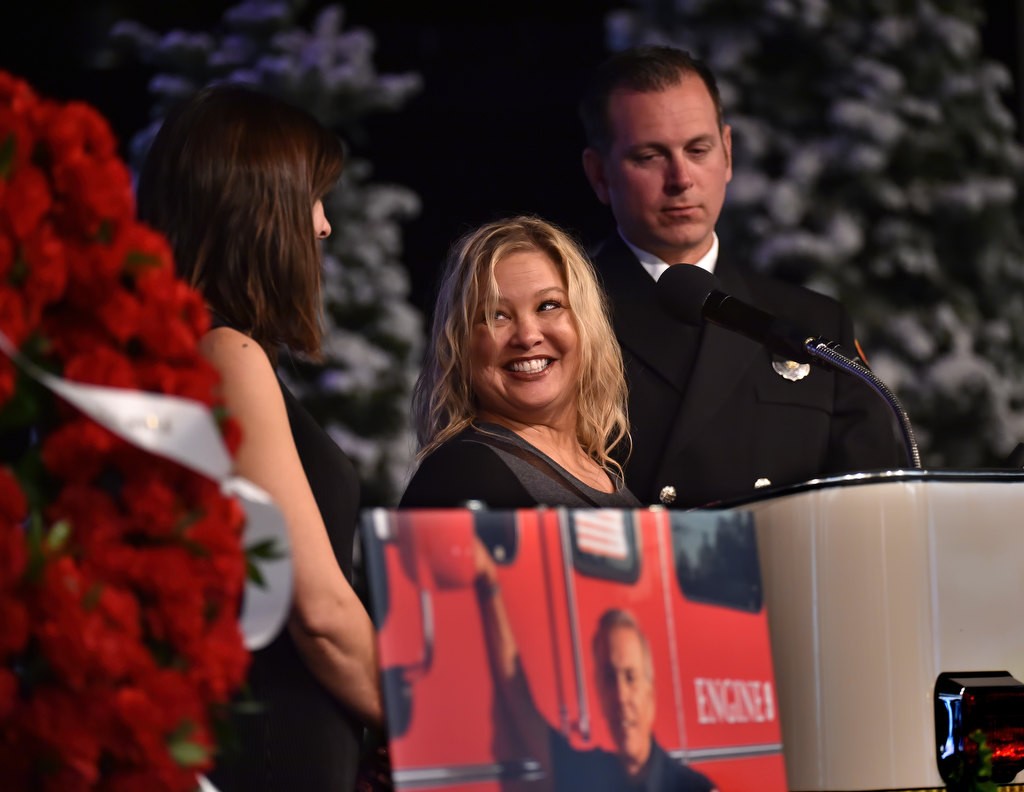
point(601, 533)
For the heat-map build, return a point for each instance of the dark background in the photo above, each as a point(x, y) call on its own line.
point(493, 131)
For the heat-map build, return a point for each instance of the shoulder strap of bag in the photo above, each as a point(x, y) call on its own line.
point(532, 459)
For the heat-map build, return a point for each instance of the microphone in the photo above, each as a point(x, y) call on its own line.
point(693, 295)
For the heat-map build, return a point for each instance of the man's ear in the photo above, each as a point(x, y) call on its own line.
point(593, 166)
point(727, 144)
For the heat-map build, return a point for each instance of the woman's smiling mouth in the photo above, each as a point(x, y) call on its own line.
point(533, 366)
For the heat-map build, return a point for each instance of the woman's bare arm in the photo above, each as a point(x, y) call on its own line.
point(328, 622)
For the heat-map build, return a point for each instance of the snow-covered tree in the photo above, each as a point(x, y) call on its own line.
point(361, 393)
point(876, 161)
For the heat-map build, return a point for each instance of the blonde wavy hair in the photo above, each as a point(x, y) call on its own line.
point(443, 402)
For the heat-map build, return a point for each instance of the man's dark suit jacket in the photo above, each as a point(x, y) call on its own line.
point(710, 415)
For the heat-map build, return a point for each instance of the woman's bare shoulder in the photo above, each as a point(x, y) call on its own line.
point(235, 354)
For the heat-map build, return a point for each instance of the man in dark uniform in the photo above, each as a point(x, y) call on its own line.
point(625, 682)
point(624, 676)
point(714, 415)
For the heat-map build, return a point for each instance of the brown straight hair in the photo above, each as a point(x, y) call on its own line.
point(231, 179)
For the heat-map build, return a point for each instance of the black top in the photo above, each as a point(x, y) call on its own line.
point(599, 771)
point(301, 738)
point(494, 465)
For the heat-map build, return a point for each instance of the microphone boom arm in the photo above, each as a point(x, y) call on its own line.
point(827, 352)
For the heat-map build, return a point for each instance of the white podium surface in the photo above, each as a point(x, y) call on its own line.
point(875, 584)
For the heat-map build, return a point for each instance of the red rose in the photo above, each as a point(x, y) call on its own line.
point(46, 267)
point(119, 563)
point(14, 127)
point(13, 554)
point(197, 380)
point(68, 744)
point(94, 520)
point(94, 184)
point(219, 532)
point(16, 94)
point(220, 666)
point(152, 505)
point(13, 319)
point(175, 315)
point(8, 693)
point(144, 252)
point(141, 724)
point(93, 269)
point(101, 366)
point(15, 621)
point(231, 432)
point(95, 192)
point(58, 620)
point(89, 633)
point(27, 200)
point(7, 380)
point(77, 451)
point(178, 606)
point(113, 637)
point(120, 314)
point(6, 248)
point(146, 716)
point(12, 502)
point(75, 131)
point(130, 603)
point(72, 331)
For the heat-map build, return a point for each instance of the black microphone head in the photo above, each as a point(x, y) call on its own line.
point(683, 289)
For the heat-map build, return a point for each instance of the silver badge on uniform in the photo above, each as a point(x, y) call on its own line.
point(791, 370)
point(667, 494)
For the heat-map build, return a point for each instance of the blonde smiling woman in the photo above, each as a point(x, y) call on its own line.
point(521, 400)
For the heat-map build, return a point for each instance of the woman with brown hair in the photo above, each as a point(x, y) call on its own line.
point(236, 180)
point(521, 400)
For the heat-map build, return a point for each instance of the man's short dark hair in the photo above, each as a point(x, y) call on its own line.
point(615, 618)
point(643, 69)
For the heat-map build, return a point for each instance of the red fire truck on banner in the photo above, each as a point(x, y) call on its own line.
point(690, 580)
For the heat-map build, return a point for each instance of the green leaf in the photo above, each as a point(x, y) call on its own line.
point(183, 750)
point(36, 557)
point(253, 573)
point(105, 233)
point(92, 596)
point(974, 773)
point(266, 550)
point(258, 552)
point(7, 149)
point(136, 260)
point(188, 754)
point(23, 408)
point(58, 535)
point(982, 781)
point(18, 273)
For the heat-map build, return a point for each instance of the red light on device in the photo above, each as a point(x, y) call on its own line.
point(991, 702)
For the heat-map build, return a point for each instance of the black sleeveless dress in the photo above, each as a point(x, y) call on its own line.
point(300, 737)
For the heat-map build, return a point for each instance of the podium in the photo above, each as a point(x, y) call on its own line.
point(875, 584)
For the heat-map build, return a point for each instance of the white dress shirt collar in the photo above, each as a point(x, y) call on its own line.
point(655, 266)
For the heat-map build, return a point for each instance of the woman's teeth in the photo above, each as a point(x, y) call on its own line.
point(530, 366)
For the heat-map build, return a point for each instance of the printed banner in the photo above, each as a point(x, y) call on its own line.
point(558, 649)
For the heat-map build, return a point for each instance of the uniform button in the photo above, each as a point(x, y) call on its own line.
point(667, 494)
point(761, 483)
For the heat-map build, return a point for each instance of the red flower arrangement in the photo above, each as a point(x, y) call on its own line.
point(121, 573)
